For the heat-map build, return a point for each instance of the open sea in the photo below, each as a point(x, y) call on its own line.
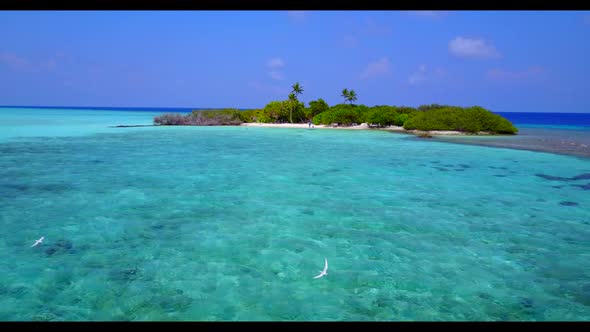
point(233, 223)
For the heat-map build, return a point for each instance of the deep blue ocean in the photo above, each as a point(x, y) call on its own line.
point(559, 119)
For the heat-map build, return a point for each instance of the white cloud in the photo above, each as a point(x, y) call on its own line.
point(377, 68)
point(419, 76)
point(275, 63)
point(472, 48)
point(503, 75)
point(276, 75)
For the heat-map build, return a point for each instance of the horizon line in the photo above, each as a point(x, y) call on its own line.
point(200, 108)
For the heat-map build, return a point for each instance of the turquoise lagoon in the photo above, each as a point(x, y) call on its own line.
point(233, 223)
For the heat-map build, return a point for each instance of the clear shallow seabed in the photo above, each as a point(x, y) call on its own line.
point(232, 223)
point(569, 140)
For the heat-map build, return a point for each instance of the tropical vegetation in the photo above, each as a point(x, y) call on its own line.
point(430, 117)
point(223, 117)
point(472, 120)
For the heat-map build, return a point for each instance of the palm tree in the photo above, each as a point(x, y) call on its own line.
point(351, 96)
point(297, 89)
point(345, 94)
point(292, 102)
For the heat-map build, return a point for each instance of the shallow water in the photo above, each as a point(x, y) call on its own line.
point(233, 223)
point(568, 140)
point(16, 123)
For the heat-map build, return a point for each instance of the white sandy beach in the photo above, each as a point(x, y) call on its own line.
point(302, 125)
point(362, 126)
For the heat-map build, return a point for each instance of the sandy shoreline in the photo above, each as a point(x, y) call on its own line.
point(362, 126)
point(300, 125)
point(526, 142)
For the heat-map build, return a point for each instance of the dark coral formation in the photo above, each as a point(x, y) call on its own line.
point(60, 246)
point(124, 274)
point(584, 176)
point(553, 178)
point(583, 186)
point(568, 203)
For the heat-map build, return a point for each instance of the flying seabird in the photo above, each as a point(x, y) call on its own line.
point(325, 271)
point(38, 241)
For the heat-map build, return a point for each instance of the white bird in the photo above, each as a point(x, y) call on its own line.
point(38, 241)
point(324, 272)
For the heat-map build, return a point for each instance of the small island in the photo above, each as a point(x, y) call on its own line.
point(424, 121)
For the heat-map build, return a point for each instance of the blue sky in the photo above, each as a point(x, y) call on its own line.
point(505, 61)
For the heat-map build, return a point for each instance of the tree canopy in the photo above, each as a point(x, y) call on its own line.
point(426, 117)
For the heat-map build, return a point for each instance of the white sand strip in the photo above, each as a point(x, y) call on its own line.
point(359, 127)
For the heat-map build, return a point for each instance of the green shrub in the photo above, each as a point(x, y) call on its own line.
point(274, 112)
point(385, 116)
point(401, 119)
point(472, 120)
point(342, 114)
point(406, 109)
point(279, 111)
point(172, 119)
point(315, 107)
point(221, 117)
point(425, 108)
point(426, 117)
point(249, 115)
point(299, 112)
point(201, 118)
